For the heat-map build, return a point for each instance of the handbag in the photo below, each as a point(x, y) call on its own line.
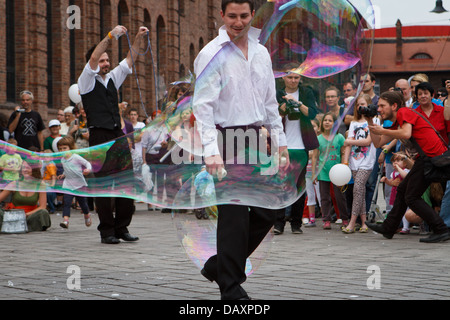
point(14, 221)
point(435, 168)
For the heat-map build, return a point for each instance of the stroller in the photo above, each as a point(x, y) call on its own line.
point(375, 214)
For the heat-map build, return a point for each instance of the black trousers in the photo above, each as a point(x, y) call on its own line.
point(118, 163)
point(409, 194)
point(298, 206)
point(240, 230)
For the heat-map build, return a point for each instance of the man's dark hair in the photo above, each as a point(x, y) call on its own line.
point(226, 2)
point(89, 53)
point(394, 97)
point(425, 86)
point(133, 109)
point(354, 87)
point(371, 76)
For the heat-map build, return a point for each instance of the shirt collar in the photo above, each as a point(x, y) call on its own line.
point(253, 35)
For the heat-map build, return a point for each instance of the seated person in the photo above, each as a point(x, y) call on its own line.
point(32, 202)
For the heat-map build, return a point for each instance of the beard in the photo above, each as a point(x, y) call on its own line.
point(104, 71)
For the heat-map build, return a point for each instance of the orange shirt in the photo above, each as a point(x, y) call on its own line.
point(50, 171)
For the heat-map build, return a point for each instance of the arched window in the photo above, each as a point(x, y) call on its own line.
point(105, 17)
point(181, 8)
point(49, 54)
point(161, 52)
point(421, 56)
point(10, 52)
point(150, 94)
point(122, 18)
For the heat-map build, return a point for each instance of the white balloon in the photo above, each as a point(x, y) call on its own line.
point(74, 93)
point(340, 174)
point(54, 144)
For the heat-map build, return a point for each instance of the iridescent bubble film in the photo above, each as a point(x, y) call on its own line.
point(326, 42)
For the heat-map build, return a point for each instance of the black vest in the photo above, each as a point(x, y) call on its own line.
point(102, 106)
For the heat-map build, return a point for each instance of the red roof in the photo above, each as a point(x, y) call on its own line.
point(414, 31)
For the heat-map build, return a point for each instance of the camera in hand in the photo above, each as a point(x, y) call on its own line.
point(293, 109)
point(370, 111)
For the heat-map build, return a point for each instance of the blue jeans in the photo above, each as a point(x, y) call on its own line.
point(51, 197)
point(82, 201)
point(445, 206)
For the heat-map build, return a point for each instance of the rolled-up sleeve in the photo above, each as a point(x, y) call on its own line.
point(86, 81)
point(120, 73)
point(206, 93)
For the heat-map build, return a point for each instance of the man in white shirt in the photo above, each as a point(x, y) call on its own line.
point(98, 87)
point(297, 106)
point(237, 90)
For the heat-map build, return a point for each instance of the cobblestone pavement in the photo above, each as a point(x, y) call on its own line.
point(316, 265)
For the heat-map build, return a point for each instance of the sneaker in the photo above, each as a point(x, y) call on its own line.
point(404, 231)
point(88, 221)
point(305, 220)
point(310, 224)
point(64, 224)
point(338, 221)
point(296, 230)
point(327, 225)
point(277, 231)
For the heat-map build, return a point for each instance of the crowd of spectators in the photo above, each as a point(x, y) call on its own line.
point(352, 145)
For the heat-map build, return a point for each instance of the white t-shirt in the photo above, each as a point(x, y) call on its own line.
point(361, 157)
point(138, 145)
point(73, 171)
point(292, 129)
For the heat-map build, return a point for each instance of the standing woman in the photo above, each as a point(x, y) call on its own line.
point(329, 154)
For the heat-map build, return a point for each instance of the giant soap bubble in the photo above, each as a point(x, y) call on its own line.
point(326, 42)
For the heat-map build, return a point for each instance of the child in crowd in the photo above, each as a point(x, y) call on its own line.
point(312, 189)
point(53, 126)
point(400, 171)
point(360, 156)
point(10, 163)
point(328, 154)
point(48, 172)
point(75, 168)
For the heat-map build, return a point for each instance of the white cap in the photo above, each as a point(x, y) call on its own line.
point(53, 123)
point(68, 110)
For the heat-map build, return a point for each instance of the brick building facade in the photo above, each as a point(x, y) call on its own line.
point(44, 44)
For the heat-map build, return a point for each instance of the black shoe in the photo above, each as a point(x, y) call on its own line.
point(296, 230)
point(127, 237)
point(110, 240)
point(433, 238)
point(278, 231)
point(380, 229)
point(207, 275)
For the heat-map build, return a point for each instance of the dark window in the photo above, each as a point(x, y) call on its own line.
point(10, 52)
